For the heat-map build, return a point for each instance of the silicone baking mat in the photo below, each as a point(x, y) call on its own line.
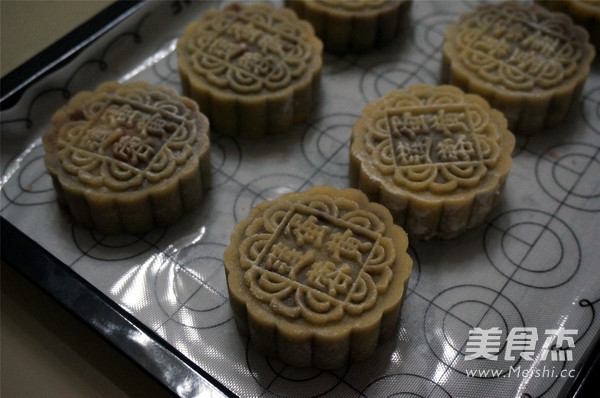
point(532, 265)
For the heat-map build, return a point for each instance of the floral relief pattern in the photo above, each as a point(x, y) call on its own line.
point(519, 48)
point(431, 142)
point(124, 140)
point(318, 261)
point(250, 50)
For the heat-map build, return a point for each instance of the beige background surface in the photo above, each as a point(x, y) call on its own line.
point(45, 351)
point(28, 26)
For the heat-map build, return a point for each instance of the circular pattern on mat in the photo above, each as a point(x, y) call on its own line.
point(569, 173)
point(532, 248)
point(457, 310)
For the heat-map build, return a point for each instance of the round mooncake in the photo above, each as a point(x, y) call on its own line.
point(584, 12)
point(128, 157)
point(528, 62)
point(353, 25)
point(254, 70)
point(317, 278)
point(436, 157)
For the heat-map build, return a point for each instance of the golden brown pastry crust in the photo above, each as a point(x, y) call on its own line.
point(353, 25)
point(317, 278)
point(436, 157)
point(254, 70)
point(128, 157)
point(528, 62)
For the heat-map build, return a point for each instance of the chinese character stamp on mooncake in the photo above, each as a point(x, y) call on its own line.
point(128, 157)
point(528, 62)
point(317, 278)
point(436, 157)
point(254, 70)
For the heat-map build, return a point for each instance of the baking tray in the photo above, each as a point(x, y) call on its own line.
point(161, 297)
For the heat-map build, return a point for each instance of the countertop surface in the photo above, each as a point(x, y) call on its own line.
point(30, 26)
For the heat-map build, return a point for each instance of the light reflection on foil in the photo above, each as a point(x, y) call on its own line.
point(171, 294)
point(185, 242)
point(188, 318)
point(441, 373)
point(148, 62)
point(133, 284)
point(16, 163)
point(541, 355)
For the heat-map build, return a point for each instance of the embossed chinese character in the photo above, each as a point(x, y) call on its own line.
point(224, 49)
point(274, 45)
point(133, 149)
point(119, 116)
point(510, 31)
point(448, 122)
point(450, 149)
point(157, 126)
point(542, 44)
point(408, 124)
point(306, 231)
point(347, 246)
point(325, 276)
point(413, 153)
point(286, 261)
point(244, 32)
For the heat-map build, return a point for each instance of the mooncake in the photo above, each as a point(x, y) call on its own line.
point(254, 70)
point(128, 157)
point(584, 12)
point(436, 157)
point(317, 278)
point(353, 25)
point(528, 62)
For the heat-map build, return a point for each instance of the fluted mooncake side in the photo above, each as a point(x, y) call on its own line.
point(128, 157)
point(436, 157)
point(527, 62)
point(254, 70)
point(317, 278)
point(353, 25)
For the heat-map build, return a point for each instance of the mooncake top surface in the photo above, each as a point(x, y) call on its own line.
point(125, 137)
point(428, 140)
point(319, 258)
point(250, 50)
point(521, 48)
